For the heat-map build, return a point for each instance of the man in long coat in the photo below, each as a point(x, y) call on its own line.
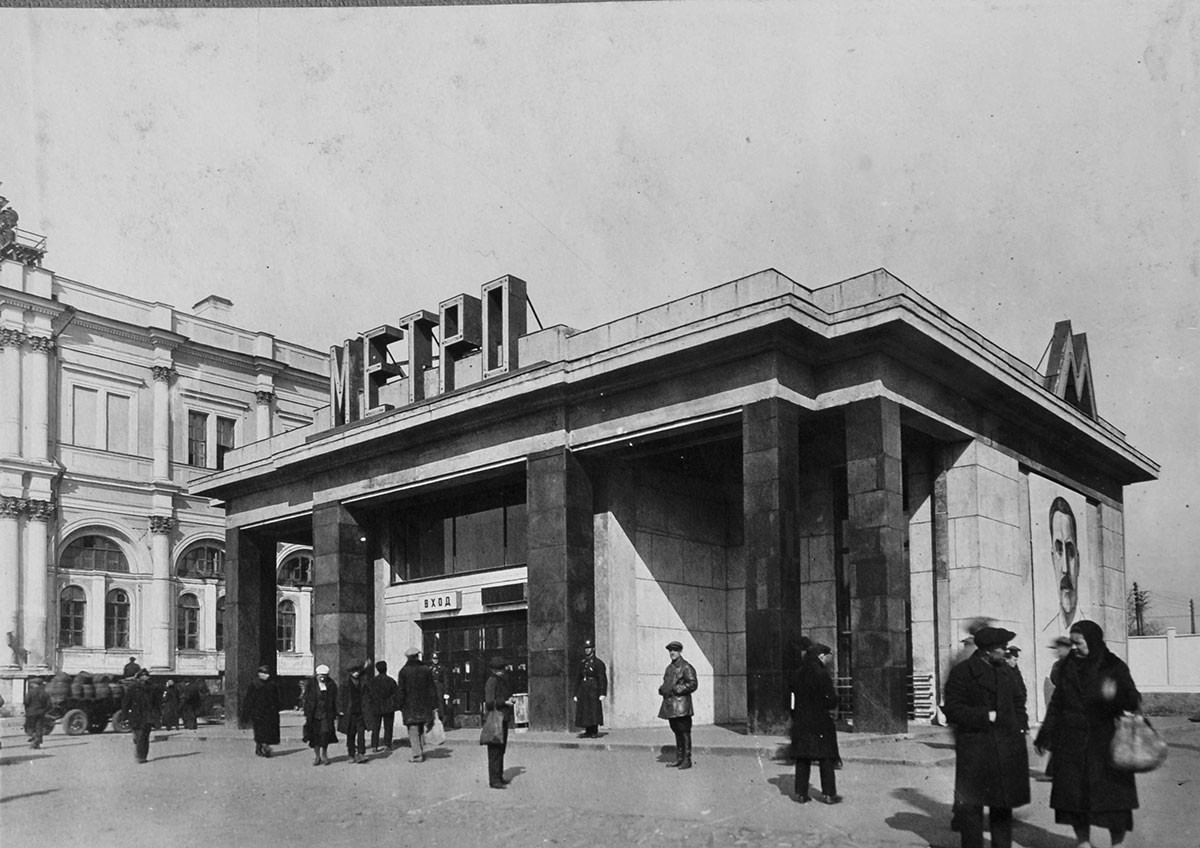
point(416, 695)
point(679, 682)
point(987, 710)
point(141, 712)
point(260, 709)
point(591, 688)
point(441, 679)
point(382, 691)
point(37, 705)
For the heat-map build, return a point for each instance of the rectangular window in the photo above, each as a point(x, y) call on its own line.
point(198, 439)
point(116, 626)
point(117, 432)
point(225, 429)
point(187, 629)
point(70, 624)
point(83, 429)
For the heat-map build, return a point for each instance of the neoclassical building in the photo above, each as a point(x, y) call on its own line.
point(735, 469)
point(112, 406)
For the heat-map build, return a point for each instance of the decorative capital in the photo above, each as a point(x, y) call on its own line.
point(11, 507)
point(161, 524)
point(40, 344)
point(10, 337)
point(264, 397)
point(38, 510)
point(162, 373)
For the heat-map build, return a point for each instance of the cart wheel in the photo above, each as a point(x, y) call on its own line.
point(75, 723)
point(120, 723)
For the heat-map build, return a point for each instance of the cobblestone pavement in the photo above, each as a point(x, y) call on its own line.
point(212, 790)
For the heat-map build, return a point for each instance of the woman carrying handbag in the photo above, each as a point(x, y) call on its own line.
point(1095, 688)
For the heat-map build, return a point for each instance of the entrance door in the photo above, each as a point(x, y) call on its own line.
point(465, 645)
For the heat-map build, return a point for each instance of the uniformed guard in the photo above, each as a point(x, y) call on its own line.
point(591, 688)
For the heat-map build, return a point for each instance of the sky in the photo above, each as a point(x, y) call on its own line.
point(332, 169)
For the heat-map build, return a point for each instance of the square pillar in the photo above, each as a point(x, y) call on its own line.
point(878, 574)
point(562, 587)
point(249, 612)
point(770, 502)
point(343, 607)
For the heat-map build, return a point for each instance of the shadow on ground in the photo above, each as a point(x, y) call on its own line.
point(930, 821)
point(26, 795)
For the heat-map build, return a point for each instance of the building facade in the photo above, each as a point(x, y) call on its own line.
point(112, 407)
point(735, 469)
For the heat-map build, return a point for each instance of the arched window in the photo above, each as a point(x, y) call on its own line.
point(285, 627)
point(94, 553)
point(221, 623)
point(116, 619)
point(72, 604)
point(187, 623)
point(206, 559)
point(297, 570)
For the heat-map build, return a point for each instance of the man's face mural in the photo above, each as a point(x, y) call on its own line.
point(1065, 554)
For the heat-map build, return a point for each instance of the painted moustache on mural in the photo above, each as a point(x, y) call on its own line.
point(1065, 554)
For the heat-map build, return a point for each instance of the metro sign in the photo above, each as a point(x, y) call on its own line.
point(441, 602)
point(487, 326)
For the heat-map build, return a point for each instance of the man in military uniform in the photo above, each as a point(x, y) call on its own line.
point(591, 688)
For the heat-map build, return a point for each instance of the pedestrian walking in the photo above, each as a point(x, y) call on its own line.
point(497, 698)
point(190, 702)
point(814, 736)
point(985, 707)
point(320, 714)
point(416, 695)
point(441, 680)
point(37, 705)
point(350, 715)
point(591, 688)
point(382, 691)
point(131, 669)
point(1094, 688)
point(1012, 657)
point(140, 707)
point(679, 682)
point(260, 709)
point(170, 705)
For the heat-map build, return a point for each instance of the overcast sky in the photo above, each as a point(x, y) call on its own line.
point(329, 170)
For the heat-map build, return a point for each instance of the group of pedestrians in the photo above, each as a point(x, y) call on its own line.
point(985, 702)
point(365, 702)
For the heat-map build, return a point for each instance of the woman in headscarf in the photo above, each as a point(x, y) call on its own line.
point(814, 736)
point(1094, 688)
point(320, 714)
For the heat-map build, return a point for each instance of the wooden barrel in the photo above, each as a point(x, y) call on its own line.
point(116, 689)
point(59, 687)
point(103, 688)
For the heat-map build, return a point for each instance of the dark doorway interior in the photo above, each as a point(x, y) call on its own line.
point(465, 645)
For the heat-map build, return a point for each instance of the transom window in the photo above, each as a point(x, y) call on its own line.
point(187, 623)
point(94, 553)
point(296, 570)
point(116, 619)
point(72, 606)
point(206, 559)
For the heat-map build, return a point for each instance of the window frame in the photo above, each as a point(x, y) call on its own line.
point(285, 626)
point(210, 546)
point(213, 409)
point(112, 629)
point(78, 539)
point(72, 617)
point(187, 623)
point(104, 384)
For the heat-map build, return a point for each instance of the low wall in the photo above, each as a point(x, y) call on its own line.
point(1167, 663)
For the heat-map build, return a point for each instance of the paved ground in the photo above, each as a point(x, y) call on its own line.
point(206, 788)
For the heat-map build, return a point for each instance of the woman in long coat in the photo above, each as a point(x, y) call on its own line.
point(814, 736)
point(987, 709)
point(260, 709)
point(320, 715)
point(1094, 688)
point(170, 706)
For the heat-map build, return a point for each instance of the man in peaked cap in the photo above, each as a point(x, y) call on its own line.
point(591, 688)
point(987, 708)
point(679, 682)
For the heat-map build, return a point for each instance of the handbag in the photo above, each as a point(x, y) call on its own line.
point(437, 733)
point(492, 731)
point(1136, 746)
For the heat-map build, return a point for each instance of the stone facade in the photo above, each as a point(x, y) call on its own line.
point(113, 406)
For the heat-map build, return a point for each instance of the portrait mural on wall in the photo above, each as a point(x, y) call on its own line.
point(1065, 581)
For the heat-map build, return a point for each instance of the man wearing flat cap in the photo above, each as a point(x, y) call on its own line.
point(416, 696)
point(679, 682)
point(591, 688)
point(260, 710)
point(987, 709)
point(141, 712)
